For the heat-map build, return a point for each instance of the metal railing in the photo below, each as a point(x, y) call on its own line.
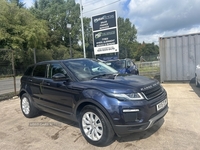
point(150, 69)
point(7, 72)
point(9, 83)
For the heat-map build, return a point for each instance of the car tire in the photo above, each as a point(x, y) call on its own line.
point(95, 126)
point(196, 81)
point(27, 107)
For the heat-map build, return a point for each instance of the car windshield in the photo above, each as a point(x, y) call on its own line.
point(86, 69)
point(116, 64)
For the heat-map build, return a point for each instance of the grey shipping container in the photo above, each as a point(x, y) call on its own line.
point(179, 56)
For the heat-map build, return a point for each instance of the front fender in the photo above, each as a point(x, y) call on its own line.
point(109, 105)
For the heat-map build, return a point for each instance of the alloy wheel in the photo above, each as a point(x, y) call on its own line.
point(92, 126)
point(25, 106)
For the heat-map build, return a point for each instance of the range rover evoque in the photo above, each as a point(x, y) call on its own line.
point(104, 103)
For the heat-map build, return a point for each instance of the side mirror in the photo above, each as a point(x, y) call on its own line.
point(59, 77)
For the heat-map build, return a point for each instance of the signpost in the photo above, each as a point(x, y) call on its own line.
point(105, 33)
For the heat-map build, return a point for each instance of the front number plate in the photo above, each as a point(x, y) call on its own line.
point(161, 105)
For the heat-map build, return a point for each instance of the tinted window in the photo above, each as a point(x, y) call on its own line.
point(117, 64)
point(86, 69)
point(130, 63)
point(28, 72)
point(39, 71)
point(56, 68)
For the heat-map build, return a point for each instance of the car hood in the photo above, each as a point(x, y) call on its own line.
point(121, 84)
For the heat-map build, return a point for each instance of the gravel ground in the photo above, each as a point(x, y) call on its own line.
point(179, 130)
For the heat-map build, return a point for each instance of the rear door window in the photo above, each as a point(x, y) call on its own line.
point(40, 71)
point(29, 71)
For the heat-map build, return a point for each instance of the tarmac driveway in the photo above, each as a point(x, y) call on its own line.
point(179, 130)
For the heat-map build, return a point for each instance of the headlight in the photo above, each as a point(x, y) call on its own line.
point(132, 96)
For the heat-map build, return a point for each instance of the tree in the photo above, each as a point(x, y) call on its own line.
point(18, 3)
point(20, 31)
point(59, 13)
point(127, 35)
point(148, 51)
point(128, 45)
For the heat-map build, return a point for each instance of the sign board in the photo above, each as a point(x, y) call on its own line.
point(105, 33)
point(105, 41)
point(104, 21)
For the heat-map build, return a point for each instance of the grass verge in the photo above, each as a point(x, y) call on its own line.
point(7, 96)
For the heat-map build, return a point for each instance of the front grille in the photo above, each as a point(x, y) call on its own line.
point(153, 92)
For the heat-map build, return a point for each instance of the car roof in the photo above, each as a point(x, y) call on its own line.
point(54, 61)
point(119, 59)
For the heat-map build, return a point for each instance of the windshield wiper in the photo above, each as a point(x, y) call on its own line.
point(115, 75)
point(104, 75)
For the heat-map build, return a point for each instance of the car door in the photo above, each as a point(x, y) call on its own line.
point(131, 67)
point(56, 95)
point(35, 82)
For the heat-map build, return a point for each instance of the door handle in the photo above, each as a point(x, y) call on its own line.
point(47, 83)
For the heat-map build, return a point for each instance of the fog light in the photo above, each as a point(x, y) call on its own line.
point(130, 110)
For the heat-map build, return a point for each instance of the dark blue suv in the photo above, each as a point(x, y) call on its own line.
point(95, 95)
point(123, 66)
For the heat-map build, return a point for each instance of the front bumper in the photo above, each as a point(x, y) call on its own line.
point(121, 130)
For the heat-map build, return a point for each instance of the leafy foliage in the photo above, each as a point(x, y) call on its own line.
point(20, 31)
point(18, 3)
point(128, 46)
point(58, 15)
point(43, 27)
